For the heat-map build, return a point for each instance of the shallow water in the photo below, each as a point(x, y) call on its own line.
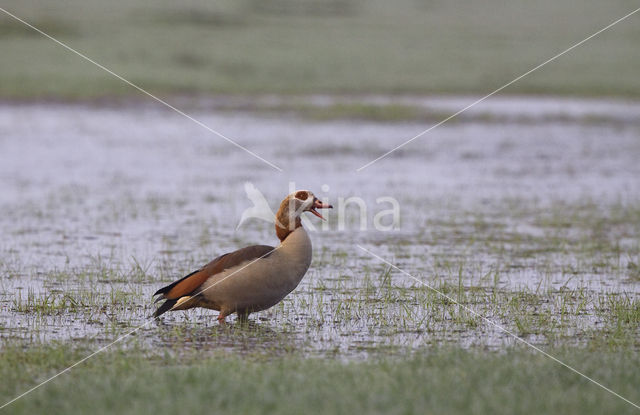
point(109, 203)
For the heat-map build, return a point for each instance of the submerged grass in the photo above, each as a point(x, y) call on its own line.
point(537, 282)
point(448, 380)
point(356, 336)
point(380, 314)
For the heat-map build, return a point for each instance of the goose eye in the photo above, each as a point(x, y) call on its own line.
point(302, 195)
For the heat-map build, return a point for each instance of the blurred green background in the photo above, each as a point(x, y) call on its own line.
point(318, 46)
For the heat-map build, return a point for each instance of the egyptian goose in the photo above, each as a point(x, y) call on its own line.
point(253, 278)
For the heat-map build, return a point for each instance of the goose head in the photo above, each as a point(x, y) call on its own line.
point(291, 209)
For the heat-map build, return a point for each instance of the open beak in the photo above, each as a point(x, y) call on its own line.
point(317, 204)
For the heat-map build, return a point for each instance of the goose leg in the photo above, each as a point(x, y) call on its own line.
point(243, 316)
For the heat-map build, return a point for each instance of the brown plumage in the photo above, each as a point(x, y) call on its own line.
point(252, 278)
point(187, 284)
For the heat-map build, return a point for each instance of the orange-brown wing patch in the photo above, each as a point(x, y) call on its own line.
point(190, 283)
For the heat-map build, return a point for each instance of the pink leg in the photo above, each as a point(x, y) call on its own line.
point(221, 317)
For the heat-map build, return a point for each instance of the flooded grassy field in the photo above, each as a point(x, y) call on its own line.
point(524, 212)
